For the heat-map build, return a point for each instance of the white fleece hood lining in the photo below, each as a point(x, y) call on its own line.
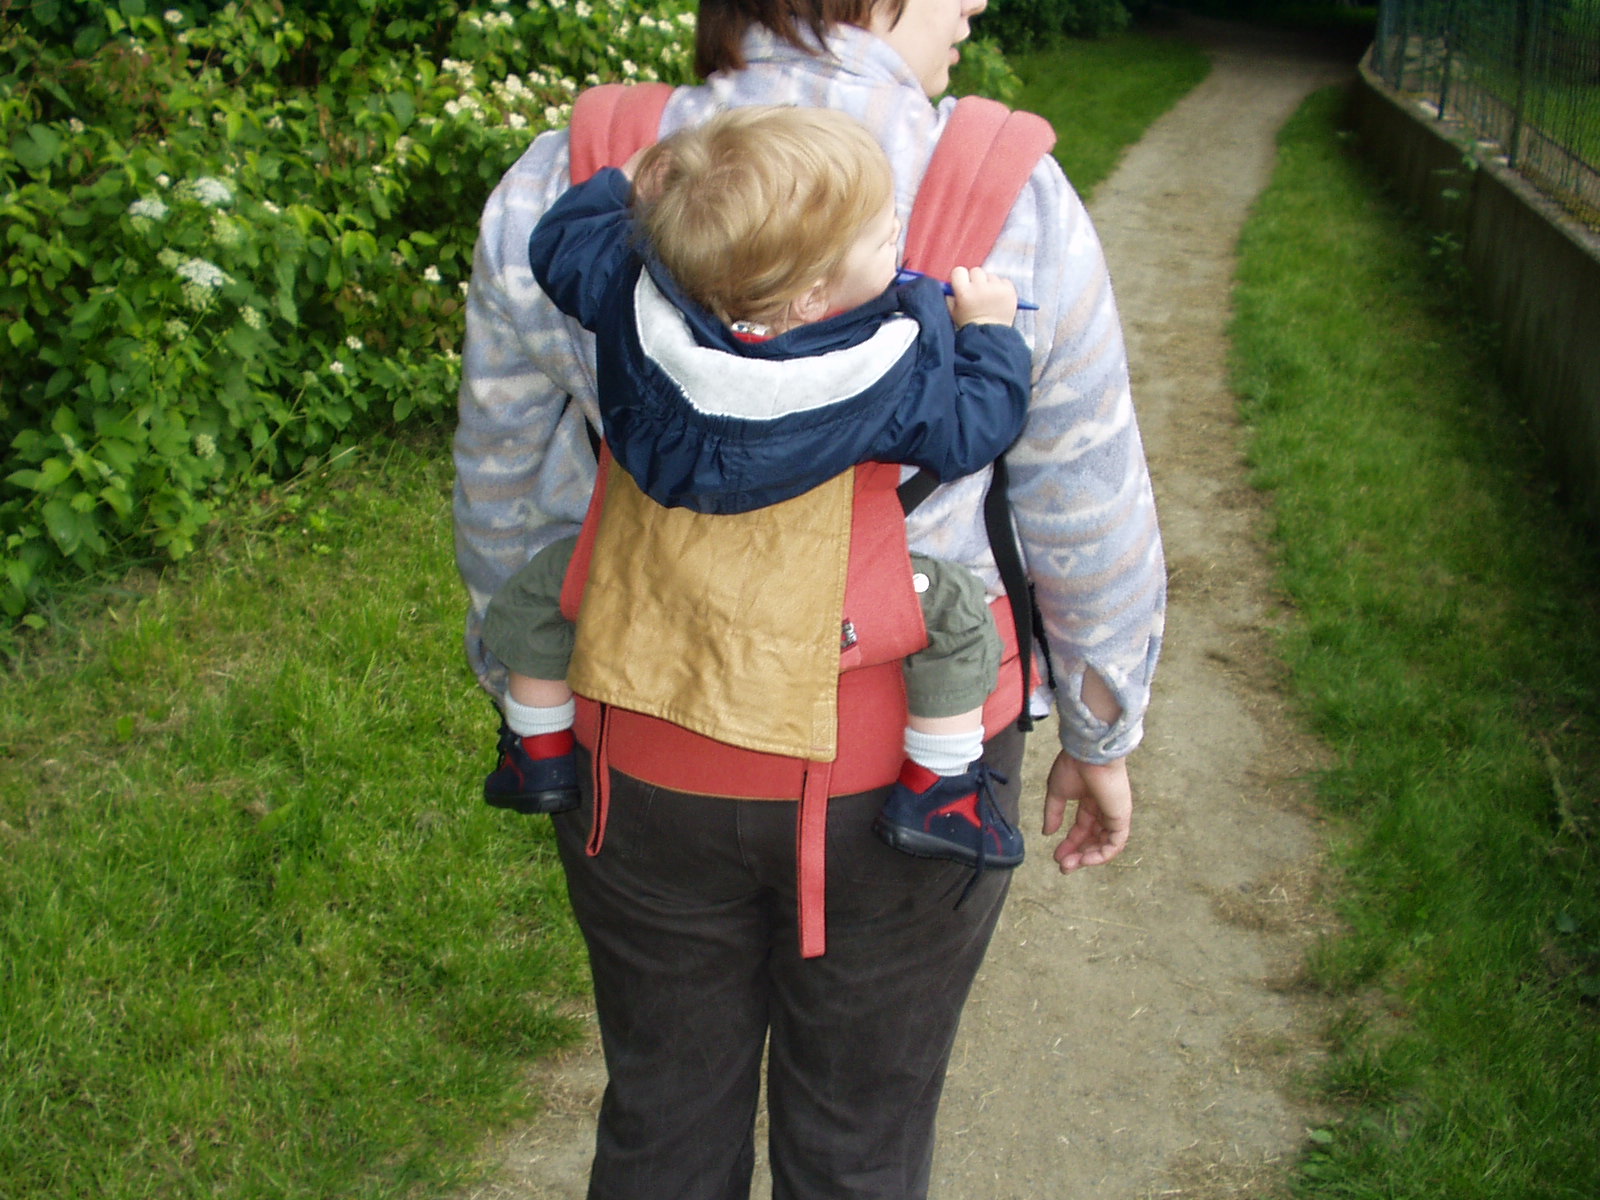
point(718, 383)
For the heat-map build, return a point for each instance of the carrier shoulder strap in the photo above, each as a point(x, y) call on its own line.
point(979, 167)
point(611, 121)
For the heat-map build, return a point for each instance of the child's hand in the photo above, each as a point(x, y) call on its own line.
point(631, 167)
point(647, 174)
point(979, 298)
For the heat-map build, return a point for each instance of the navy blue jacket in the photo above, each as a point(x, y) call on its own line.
point(705, 421)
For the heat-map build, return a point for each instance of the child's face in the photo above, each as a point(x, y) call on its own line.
point(871, 264)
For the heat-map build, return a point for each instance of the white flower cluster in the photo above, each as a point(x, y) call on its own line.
point(205, 446)
point(251, 316)
point(210, 191)
point(150, 207)
point(172, 17)
point(201, 272)
point(200, 278)
point(502, 20)
point(663, 25)
point(463, 71)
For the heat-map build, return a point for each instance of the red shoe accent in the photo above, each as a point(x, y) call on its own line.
point(549, 745)
point(916, 776)
point(966, 807)
point(919, 779)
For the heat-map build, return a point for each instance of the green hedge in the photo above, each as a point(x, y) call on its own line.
point(237, 237)
point(1024, 24)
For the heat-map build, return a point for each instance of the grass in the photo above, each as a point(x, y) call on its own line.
point(258, 935)
point(1448, 650)
point(1101, 95)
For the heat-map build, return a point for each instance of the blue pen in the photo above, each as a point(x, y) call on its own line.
point(906, 275)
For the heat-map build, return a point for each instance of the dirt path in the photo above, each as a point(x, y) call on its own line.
point(1129, 1036)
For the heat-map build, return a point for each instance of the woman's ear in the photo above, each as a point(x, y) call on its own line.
point(811, 305)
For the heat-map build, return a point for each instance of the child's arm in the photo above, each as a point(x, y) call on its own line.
point(581, 243)
point(975, 379)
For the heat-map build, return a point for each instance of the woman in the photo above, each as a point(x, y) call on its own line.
point(689, 910)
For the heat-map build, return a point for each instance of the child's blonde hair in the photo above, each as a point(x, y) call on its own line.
point(753, 208)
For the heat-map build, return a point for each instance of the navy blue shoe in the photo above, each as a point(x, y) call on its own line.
point(536, 774)
point(949, 816)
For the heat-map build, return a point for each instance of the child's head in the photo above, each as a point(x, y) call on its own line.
point(764, 213)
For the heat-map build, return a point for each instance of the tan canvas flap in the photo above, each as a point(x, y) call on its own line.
point(725, 625)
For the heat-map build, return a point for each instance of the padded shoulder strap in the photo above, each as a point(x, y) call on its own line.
point(978, 169)
point(613, 120)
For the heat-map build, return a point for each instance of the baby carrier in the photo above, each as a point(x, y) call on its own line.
point(835, 727)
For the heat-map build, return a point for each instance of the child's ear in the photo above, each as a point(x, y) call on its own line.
point(812, 304)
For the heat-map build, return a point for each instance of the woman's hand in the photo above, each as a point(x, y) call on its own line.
point(1105, 810)
point(979, 298)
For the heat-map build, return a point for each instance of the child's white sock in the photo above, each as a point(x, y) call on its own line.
point(530, 720)
point(944, 753)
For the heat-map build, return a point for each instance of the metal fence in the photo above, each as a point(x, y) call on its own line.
point(1521, 74)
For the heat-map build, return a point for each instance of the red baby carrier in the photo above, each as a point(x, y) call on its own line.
point(978, 169)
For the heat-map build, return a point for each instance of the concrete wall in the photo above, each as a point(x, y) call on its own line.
point(1536, 272)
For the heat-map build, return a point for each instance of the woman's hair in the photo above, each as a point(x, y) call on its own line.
point(750, 210)
point(719, 33)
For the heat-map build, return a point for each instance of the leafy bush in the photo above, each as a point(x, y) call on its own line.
point(237, 237)
point(984, 71)
point(1021, 24)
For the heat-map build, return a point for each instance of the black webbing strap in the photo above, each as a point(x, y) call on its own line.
point(915, 490)
point(1008, 560)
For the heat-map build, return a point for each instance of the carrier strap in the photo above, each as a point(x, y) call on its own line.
point(610, 122)
point(979, 167)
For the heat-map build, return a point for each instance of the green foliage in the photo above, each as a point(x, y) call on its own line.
point(1021, 24)
point(984, 71)
point(1317, 15)
point(237, 237)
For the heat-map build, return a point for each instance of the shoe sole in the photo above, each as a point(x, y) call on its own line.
point(924, 845)
point(535, 802)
